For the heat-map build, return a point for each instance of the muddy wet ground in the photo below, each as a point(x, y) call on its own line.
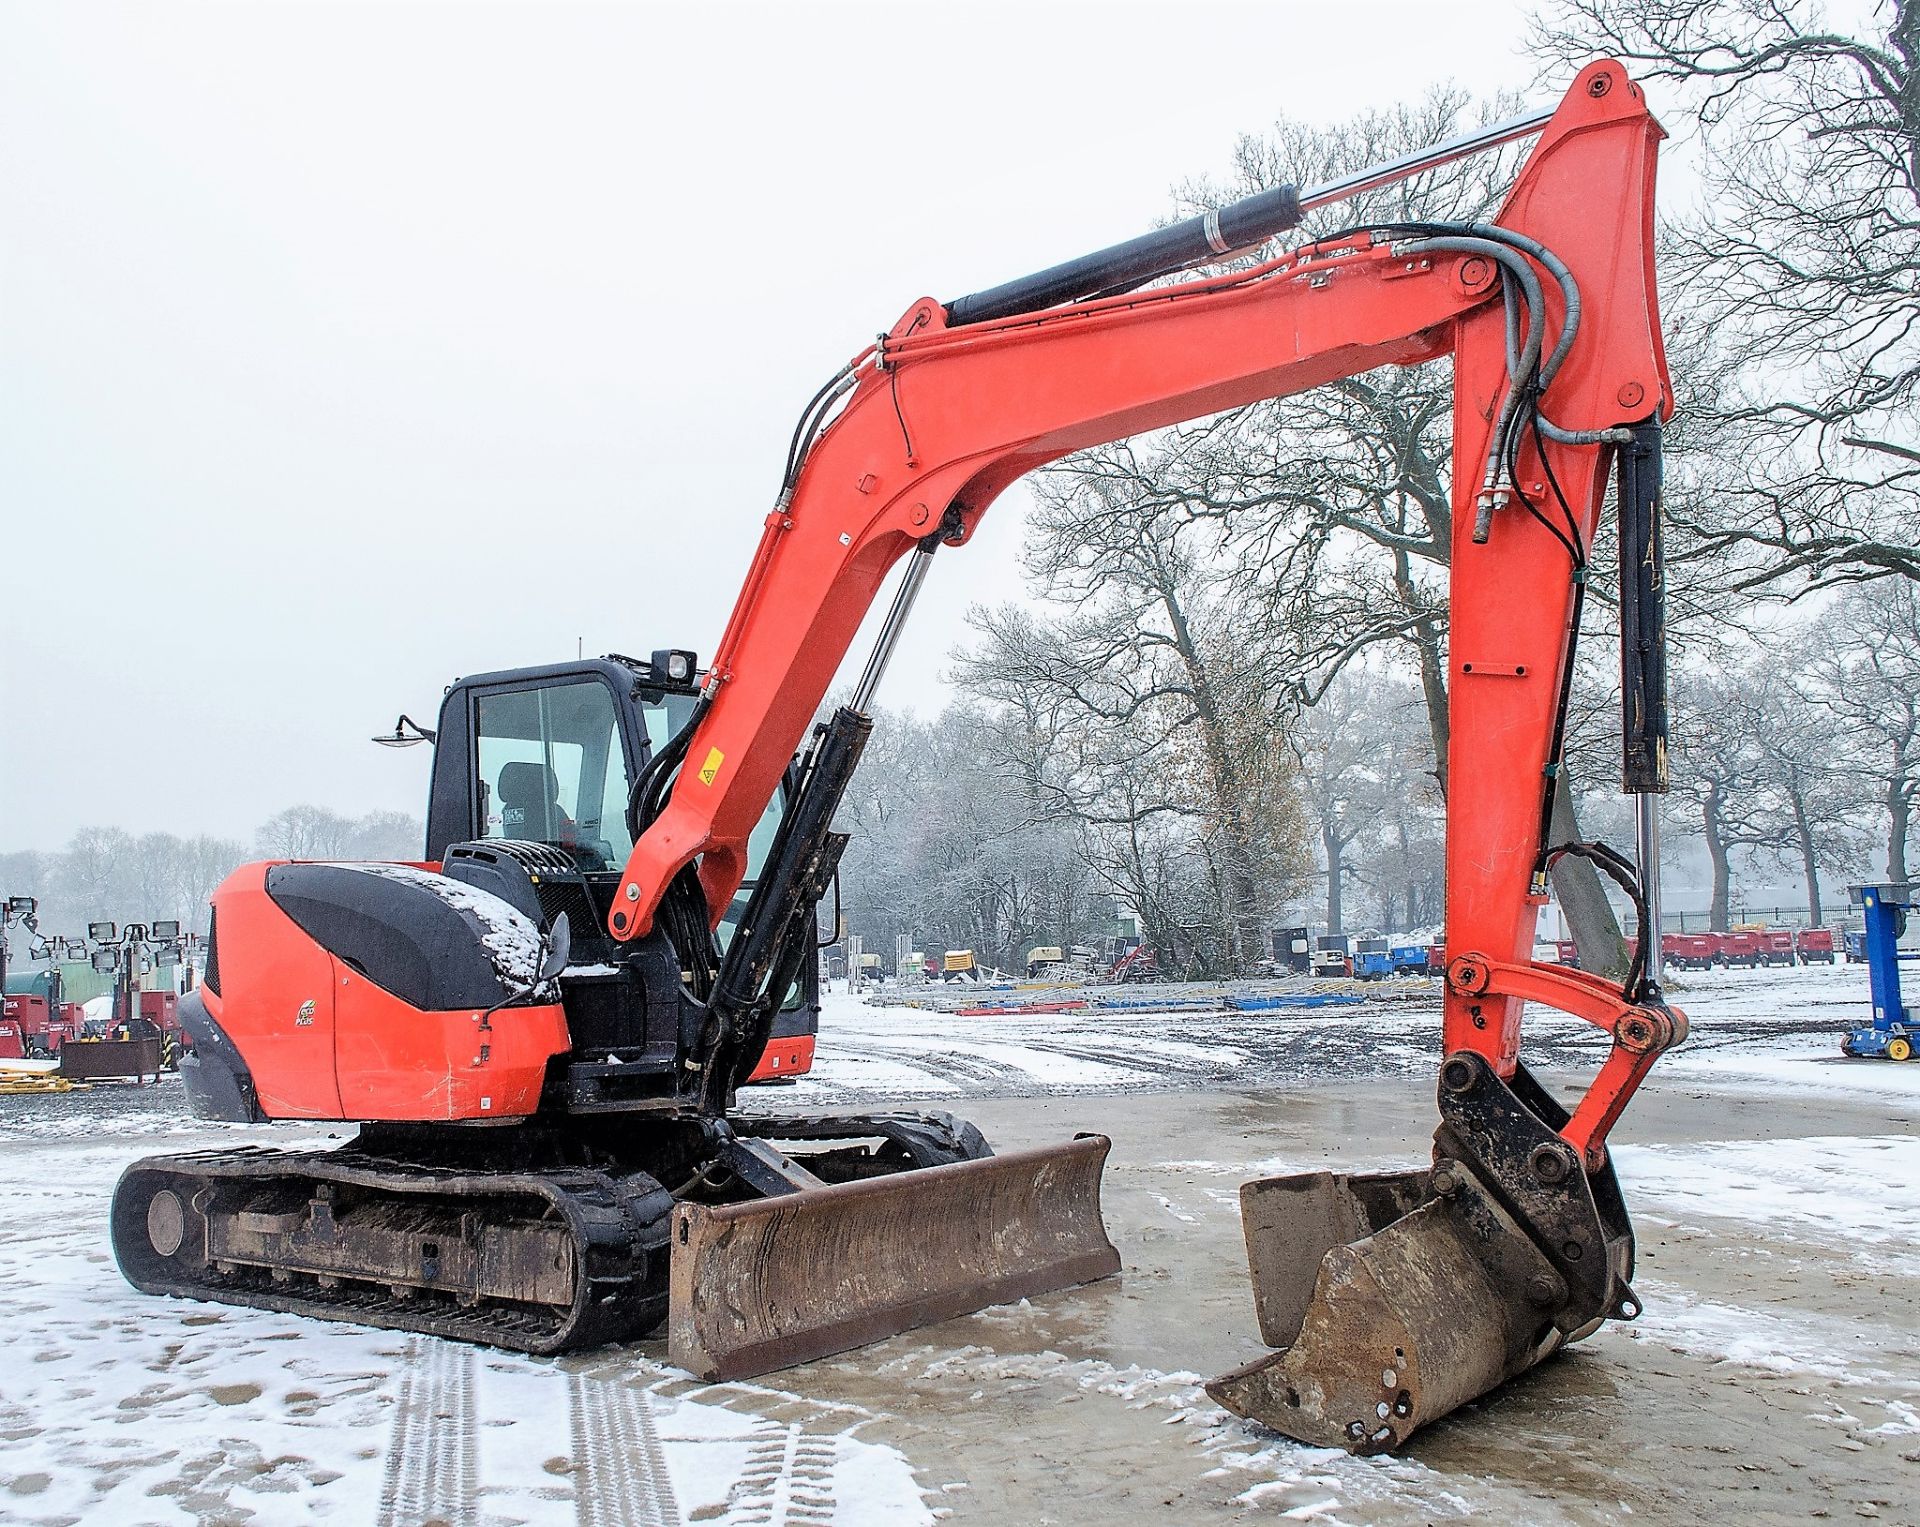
point(1774, 1377)
point(1652, 1421)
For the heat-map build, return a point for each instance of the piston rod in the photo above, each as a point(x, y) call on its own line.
point(895, 623)
point(1223, 231)
point(1646, 825)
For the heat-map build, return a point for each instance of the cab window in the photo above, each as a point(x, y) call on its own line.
point(552, 770)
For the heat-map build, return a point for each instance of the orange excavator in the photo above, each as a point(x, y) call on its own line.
point(540, 1027)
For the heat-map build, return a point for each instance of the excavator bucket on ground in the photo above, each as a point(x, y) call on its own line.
point(1396, 1297)
point(773, 1282)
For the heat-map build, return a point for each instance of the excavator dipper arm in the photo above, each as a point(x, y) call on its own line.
point(1550, 317)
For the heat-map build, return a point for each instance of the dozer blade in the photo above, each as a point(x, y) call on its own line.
point(774, 1282)
point(1396, 1297)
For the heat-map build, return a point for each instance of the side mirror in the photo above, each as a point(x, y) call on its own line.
point(559, 949)
point(406, 732)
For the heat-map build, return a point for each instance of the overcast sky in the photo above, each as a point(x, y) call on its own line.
point(346, 348)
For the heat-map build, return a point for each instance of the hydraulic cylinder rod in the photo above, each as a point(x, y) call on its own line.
point(1643, 621)
point(895, 623)
point(1643, 662)
point(1215, 234)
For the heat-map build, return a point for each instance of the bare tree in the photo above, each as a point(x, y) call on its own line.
point(949, 843)
point(1798, 276)
point(1402, 860)
point(1718, 767)
point(93, 874)
point(1155, 707)
point(154, 864)
point(1333, 506)
point(305, 832)
point(386, 835)
point(1867, 682)
point(204, 862)
point(1807, 800)
point(1337, 747)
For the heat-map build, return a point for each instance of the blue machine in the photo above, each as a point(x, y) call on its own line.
point(1892, 1033)
point(1408, 959)
point(1371, 960)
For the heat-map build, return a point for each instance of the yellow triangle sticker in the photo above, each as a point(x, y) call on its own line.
point(710, 770)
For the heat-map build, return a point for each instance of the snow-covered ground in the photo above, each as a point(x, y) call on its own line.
point(1780, 1027)
point(1776, 1188)
point(117, 1408)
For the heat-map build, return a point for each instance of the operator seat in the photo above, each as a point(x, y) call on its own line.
point(530, 805)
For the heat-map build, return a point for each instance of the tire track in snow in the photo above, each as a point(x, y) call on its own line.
point(972, 1074)
point(788, 1482)
point(620, 1477)
point(432, 1454)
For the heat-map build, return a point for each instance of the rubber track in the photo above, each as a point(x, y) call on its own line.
point(619, 1225)
point(620, 1253)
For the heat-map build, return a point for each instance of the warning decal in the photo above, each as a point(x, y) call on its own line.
point(710, 770)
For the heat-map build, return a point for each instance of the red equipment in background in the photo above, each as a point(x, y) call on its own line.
point(1139, 963)
point(1690, 951)
point(1814, 946)
point(42, 1030)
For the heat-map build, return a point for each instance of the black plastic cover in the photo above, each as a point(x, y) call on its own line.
point(397, 934)
point(219, 1086)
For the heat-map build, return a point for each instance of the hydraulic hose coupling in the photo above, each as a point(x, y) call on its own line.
point(1495, 494)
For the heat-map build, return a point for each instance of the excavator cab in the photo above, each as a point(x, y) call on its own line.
point(550, 755)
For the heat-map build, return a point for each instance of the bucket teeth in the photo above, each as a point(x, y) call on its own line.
point(767, 1284)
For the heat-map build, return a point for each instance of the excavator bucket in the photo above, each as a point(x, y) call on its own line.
point(778, 1281)
point(1396, 1297)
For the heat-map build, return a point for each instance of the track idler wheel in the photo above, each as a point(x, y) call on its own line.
point(1396, 1297)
